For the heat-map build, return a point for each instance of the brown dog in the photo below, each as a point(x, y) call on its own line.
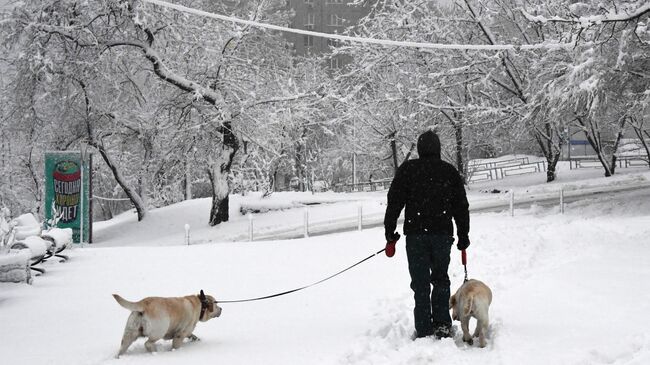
point(165, 318)
point(472, 299)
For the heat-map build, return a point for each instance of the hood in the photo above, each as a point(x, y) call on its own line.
point(429, 145)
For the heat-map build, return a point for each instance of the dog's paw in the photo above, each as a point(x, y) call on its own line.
point(193, 338)
point(468, 340)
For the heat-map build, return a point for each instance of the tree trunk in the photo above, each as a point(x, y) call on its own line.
point(619, 135)
point(457, 126)
point(220, 197)
point(133, 196)
point(393, 149)
point(593, 137)
point(187, 181)
point(273, 177)
point(301, 161)
point(271, 187)
point(143, 179)
point(546, 139)
point(408, 155)
point(551, 162)
point(218, 173)
point(460, 162)
point(130, 193)
point(300, 167)
point(639, 133)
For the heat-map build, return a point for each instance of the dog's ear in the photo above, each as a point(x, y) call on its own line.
point(202, 295)
point(452, 301)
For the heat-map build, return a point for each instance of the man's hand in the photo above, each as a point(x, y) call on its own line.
point(463, 243)
point(391, 240)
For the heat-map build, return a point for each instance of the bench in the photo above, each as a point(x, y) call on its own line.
point(14, 267)
point(60, 239)
point(38, 249)
point(39, 246)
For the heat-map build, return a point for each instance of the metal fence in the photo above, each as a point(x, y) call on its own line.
point(501, 170)
point(579, 162)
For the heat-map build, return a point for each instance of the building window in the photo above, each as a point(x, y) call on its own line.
point(335, 20)
point(333, 42)
point(335, 62)
point(309, 19)
point(308, 41)
point(334, 2)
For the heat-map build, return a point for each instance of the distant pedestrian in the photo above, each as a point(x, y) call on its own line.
point(433, 193)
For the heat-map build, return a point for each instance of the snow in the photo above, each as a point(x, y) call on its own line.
point(61, 237)
point(36, 245)
point(26, 225)
point(14, 266)
point(568, 289)
point(14, 258)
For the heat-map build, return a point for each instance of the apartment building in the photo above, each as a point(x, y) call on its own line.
point(325, 16)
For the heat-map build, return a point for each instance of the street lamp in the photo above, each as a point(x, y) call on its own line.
point(83, 148)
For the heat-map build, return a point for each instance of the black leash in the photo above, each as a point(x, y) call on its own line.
point(463, 256)
point(304, 287)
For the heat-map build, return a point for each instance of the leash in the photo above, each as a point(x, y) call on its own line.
point(304, 287)
point(463, 256)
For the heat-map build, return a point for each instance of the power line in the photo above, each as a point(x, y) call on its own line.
point(384, 42)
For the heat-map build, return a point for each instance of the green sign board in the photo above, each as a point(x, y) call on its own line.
point(67, 199)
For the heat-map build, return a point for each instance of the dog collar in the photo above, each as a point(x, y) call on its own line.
point(204, 304)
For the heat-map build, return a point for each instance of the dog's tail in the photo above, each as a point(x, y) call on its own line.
point(469, 305)
point(132, 306)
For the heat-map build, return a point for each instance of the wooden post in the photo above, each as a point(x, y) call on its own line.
point(562, 199)
point(360, 220)
point(187, 234)
point(512, 203)
point(250, 227)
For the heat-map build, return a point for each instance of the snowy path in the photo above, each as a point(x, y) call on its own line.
point(567, 290)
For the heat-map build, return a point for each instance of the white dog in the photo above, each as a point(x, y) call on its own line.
point(472, 299)
point(165, 318)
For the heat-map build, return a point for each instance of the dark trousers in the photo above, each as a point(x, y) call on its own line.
point(428, 256)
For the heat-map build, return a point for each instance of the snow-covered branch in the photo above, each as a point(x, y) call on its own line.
point(587, 21)
point(207, 94)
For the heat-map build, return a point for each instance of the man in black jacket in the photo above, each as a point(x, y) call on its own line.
point(433, 193)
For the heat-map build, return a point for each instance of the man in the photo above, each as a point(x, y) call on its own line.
point(433, 193)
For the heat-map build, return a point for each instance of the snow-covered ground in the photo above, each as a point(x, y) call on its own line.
point(168, 223)
point(568, 289)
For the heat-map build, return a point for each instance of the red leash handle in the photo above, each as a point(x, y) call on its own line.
point(463, 256)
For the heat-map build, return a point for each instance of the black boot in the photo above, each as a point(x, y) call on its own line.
point(421, 334)
point(442, 330)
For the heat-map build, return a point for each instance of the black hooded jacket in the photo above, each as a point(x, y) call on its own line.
point(432, 191)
